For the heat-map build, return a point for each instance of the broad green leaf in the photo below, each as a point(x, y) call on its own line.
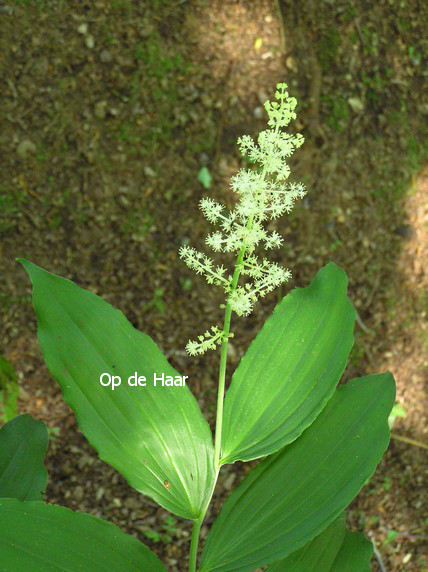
point(23, 445)
point(157, 436)
point(336, 549)
point(290, 370)
point(292, 496)
point(47, 538)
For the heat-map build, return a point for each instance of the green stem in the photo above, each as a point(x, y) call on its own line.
point(219, 421)
point(223, 360)
point(194, 542)
point(224, 345)
point(220, 400)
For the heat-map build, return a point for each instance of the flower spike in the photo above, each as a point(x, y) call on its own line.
point(264, 194)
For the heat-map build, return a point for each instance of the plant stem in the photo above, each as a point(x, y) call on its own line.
point(197, 523)
point(194, 542)
point(220, 399)
point(223, 359)
point(408, 440)
point(219, 420)
point(224, 345)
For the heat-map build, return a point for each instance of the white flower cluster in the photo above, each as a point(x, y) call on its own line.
point(266, 277)
point(201, 264)
point(264, 194)
point(208, 341)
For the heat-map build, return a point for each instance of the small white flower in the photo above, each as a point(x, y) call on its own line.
point(215, 241)
point(274, 240)
point(208, 341)
point(211, 209)
point(241, 302)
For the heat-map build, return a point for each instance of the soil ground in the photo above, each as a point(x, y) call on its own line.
point(110, 110)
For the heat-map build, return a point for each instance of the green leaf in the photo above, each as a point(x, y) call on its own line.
point(290, 370)
point(397, 411)
point(9, 391)
point(390, 537)
point(157, 436)
point(47, 538)
point(292, 496)
point(334, 550)
point(23, 445)
point(354, 554)
point(204, 177)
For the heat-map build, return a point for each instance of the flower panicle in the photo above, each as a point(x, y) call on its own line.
point(202, 264)
point(266, 277)
point(207, 341)
point(264, 194)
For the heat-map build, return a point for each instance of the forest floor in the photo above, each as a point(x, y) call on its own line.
point(112, 108)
